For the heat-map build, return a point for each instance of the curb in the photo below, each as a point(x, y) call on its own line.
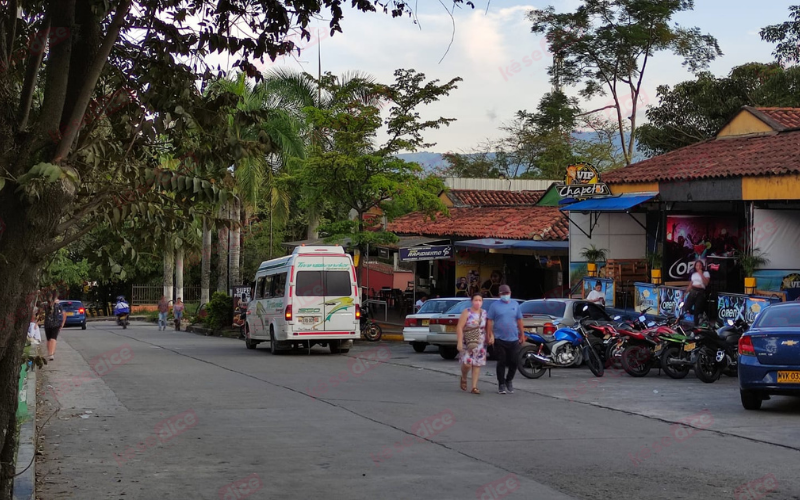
point(114, 318)
point(25, 482)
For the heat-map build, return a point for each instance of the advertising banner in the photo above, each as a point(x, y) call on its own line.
point(668, 301)
point(426, 253)
point(646, 297)
point(241, 293)
point(691, 238)
point(731, 306)
point(755, 305)
point(785, 280)
point(606, 288)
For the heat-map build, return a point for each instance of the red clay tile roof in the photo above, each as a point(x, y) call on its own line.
point(488, 198)
point(785, 118)
point(380, 267)
point(728, 157)
point(516, 223)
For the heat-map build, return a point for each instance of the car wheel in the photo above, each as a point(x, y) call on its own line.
point(448, 352)
point(751, 400)
point(419, 346)
point(83, 326)
point(248, 342)
point(336, 347)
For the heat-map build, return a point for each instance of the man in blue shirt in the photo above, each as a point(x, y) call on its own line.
point(504, 329)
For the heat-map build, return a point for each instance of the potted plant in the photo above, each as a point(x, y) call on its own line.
point(654, 259)
point(750, 262)
point(592, 255)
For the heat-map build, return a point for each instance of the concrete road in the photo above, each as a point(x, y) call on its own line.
point(177, 415)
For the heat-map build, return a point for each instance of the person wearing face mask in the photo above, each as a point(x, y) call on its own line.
point(505, 330)
point(471, 331)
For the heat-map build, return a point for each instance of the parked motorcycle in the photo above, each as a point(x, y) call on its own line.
point(369, 329)
point(122, 311)
point(643, 350)
point(559, 350)
point(718, 351)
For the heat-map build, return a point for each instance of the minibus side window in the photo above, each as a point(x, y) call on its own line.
point(268, 286)
point(279, 285)
point(259, 288)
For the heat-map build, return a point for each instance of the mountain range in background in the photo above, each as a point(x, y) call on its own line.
point(431, 161)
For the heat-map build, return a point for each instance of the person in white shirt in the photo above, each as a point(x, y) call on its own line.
point(420, 302)
point(696, 292)
point(596, 295)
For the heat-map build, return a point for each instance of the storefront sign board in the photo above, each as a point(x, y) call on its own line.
point(731, 306)
point(646, 297)
point(437, 252)
point(691, 238)
point(668, 300)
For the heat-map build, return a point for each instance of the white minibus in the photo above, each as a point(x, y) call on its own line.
point(307, 298)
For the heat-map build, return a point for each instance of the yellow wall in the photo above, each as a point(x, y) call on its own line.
point(446, 200)
point(744, 123)
point(639, 187)
point(783, 187)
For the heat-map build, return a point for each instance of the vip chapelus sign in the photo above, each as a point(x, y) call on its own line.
point(436, 252)
point(582, 181)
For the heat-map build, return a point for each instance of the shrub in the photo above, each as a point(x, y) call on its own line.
point(220, 311)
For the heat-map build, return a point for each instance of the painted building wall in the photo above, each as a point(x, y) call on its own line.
point(617, 233)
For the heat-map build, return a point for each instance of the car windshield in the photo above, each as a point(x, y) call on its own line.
point(544, 307)
point(466, 304)
point(438, 306)
point(779, 317)
point(71, 305)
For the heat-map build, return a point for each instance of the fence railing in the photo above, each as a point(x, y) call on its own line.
point(150, 294)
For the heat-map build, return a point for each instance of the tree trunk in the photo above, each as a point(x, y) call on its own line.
point(179, 273)
point(169, 267)
point(222, 253)
point(205, 265)
point(235, 278)
point(313, 225)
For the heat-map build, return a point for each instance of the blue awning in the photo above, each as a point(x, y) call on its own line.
point(621, 203)
point(497, 243)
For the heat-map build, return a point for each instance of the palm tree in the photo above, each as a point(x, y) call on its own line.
point(268, 135)
point(297, 91)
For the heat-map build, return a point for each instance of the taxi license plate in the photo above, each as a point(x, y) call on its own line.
point(689, 347)
point(70, 314)
point(785, 377)
point(426, 322)
point(450, 329)
point(309, 320)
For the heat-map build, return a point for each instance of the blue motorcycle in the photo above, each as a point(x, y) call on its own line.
point(565, 347)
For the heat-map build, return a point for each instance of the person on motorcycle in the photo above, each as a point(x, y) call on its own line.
point(122, 310)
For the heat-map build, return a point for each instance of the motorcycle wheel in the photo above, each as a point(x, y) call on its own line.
point(613, 355)
point(373, 332)
point(673, 371)
point(593, 360)
point(527, 365)
point(124, 325)
point(636, 360)
point(706, 367)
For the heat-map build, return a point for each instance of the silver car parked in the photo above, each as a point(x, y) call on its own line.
point(417, 326)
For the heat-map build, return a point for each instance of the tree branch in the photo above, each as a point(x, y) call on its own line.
point(31, 71)
point(92, 76)
point(57, 245)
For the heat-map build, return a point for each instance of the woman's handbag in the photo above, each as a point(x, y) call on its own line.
point(472, 337)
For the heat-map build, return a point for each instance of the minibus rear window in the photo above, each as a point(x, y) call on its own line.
point(311, 284)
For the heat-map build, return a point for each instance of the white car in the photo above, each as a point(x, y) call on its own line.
point(416, 327)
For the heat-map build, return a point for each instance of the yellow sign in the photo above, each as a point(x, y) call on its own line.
point(582, 180)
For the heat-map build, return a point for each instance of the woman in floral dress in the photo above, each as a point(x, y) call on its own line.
point(472, 359)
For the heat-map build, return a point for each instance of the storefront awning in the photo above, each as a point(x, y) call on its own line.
point(495, 243)
point(610, 204)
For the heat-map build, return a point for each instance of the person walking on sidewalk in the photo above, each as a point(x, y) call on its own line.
point(471, 331)
point(506, 332)
point(163, 309)
point(54, 319)
point(177, 311)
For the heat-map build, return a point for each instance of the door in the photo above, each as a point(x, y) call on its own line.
point(340, 305)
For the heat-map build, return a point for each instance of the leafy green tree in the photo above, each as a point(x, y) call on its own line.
point(695, 110)
point(359, 175)
point(72, 141)
point(787, 37)
point(607, 44)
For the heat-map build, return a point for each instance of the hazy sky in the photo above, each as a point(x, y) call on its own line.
point(487, 44)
